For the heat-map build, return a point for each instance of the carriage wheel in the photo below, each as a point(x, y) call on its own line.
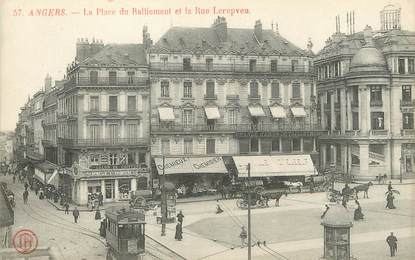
point(241, 204)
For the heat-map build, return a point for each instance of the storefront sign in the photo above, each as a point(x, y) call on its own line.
point(178, 165)
point(119, 166)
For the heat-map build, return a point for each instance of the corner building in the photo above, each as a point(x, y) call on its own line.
point(103, 123)
point(220, 92)
point(365, 85)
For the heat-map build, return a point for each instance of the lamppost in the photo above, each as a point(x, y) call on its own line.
point(163, 202)
point(249, 211)
point(400, 169)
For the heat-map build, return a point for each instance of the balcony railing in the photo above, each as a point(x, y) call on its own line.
point(376, 103)
point(48, 143)
point(216, 67)
point(232, 97)
point(236, 127)
point(408, 103)
point(103, 142)
point(379, 132)
point(211, 97)
point(352, 132)
point(108, 81)
point(254, 97)
point(296, 100)
point(408, 132)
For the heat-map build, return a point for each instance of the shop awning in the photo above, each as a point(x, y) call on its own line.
point(51, 171)
point(256, 111)
point(189, 165)
point(212, 112)
point(298, 111)
point(166, 113)
point(278, 112)
point(275, 165)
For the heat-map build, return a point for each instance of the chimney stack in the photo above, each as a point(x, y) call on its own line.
point(48, 83)
point(258, 31)
point(147, 41)
point(221, 28)
point(84, 49)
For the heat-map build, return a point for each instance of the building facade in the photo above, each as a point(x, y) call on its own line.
point(365, 82)
point(103, 123)
point(222, 91)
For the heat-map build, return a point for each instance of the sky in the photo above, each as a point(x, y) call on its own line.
point(33, 46)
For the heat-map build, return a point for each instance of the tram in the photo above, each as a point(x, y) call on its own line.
point(125, 233)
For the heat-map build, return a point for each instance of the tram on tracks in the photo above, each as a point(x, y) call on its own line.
point(125, 233)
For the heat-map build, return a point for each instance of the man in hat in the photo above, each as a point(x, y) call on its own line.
point(393, 243)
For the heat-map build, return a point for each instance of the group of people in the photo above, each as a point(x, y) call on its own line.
point(95, 200)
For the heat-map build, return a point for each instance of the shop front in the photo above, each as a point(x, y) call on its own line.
point(192, 176)
point(114, 184)
point(275, 168)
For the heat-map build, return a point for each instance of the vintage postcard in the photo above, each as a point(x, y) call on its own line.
point(214, 129)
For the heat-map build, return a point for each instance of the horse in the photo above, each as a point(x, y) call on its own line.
point(229, 192)
point(293, 185)
point(274, 195)
point(364, 188)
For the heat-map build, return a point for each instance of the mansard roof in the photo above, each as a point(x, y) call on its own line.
point(197, 40)
point(118, 55)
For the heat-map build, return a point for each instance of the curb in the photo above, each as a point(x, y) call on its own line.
point(81, 210)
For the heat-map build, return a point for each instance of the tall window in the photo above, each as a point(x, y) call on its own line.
point(188, 146)
point(141, 158)
point(355, 120)
point(165, 146)
point(243, 146)
point(132, 130)
point(296, 144)
point(253, 90)
point(113, 158)
point(210, 146)
point(210, 89)
point(401, 66)
point(377, 120)
point(186, 64)
point(408, 120)
point(94, 132)
point(296, 90)
point(411, 66)
point(112, 77)
point(407, 93)
point(187, 117)
point(275, 90)
point(113, 131)
point(252, 65)
point(131, 77)
point(187, 89)
point(274, 66)
point(132, 103)
point(164, 85)
point(93, 77)
point(94, 103)
point(376, 95)
point(355, 95)
point(164, 61)
point(254, 144)
point(294, 65)
point(232, 117)
point(209, 64)
point(113, 103)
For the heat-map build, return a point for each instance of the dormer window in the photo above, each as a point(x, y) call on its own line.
point(252, 65)
point(294, 65)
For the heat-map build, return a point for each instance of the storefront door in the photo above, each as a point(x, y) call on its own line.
point(109, 189)
point(124, 187)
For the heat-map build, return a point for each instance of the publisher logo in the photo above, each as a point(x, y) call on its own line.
point(25, 241)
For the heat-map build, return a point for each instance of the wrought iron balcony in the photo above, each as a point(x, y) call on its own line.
point(48, 143)
point(211, 97)
point(108, 81)
point(254, 97)
point(352, 132)
point(408, 132)
point(377, 132)
point(102, 142)
point(232, 97)
point(376, 103)
point(408, 103)
point(169, 128)
point(238, 67)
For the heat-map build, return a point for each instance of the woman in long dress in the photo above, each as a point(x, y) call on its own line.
point(358, 215)
point(389, 200)
point(179, 232)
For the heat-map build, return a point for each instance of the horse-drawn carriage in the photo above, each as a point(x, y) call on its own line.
point(259, 198)
point(141, 199)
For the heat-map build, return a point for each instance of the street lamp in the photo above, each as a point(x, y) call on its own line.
point(400, 169)
point(163, 202)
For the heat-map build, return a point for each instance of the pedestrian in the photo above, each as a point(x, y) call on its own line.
point(358, 215)
point(325, 211)
point(25, 196)
point(344, 202)
point(97, 214)
point(179, 232)
point(101, 199)
point(218, 208)
point(180, 217)
point(390, 186)
point(41, 194)
point(14, 178)
point(393, 243)
point(389, 200)
point(243, 235)
point(75, 214)
point(66, 208)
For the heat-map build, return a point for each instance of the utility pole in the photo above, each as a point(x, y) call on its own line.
point(163, 203)
point(249, 211)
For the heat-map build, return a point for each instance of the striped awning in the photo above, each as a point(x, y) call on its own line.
point(298, 111)
point(212, 112)
point(256, 111)
point(278, 112)
point(166, 113)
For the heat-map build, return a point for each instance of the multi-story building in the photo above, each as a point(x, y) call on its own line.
point(103, 122)
point(365, 85)
point(218, 92)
